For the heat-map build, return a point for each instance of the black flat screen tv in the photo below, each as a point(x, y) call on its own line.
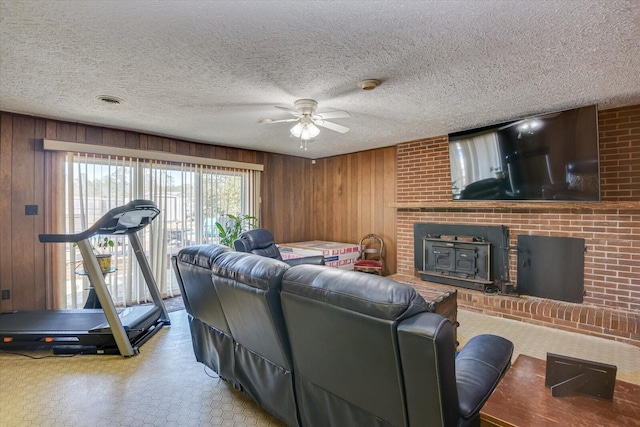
point(548, 157)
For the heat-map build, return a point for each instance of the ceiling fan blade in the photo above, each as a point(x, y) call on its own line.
point(267, 121)
point(332, 126)
point(332, 115)
point(288, 110)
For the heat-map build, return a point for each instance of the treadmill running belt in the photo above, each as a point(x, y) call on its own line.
point(51, 320)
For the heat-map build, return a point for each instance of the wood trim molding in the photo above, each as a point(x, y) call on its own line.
point(74, 147)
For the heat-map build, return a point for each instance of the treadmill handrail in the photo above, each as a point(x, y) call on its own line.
point(125, 219)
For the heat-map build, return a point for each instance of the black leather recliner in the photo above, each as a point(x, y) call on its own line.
point(320, 346)
point(249, 290)
point(342, 329)
point(237, 326)
point(366, 352)
point(260, 241)
point(211, 336)
point(444, 388)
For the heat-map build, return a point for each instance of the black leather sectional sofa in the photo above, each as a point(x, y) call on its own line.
point(319, 346)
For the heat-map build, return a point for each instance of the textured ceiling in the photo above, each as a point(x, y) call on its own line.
point(206, 71)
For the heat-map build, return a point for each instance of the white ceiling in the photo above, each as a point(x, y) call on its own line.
point(206, 71)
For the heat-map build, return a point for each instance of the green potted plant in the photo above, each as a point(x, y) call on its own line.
point(233, 227)
point(102, 248)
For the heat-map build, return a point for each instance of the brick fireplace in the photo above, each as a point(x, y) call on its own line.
point(610, 229)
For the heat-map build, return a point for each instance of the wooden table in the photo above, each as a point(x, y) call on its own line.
point(521, 399)
point(442, 298)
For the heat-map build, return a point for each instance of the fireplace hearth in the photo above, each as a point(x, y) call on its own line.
point(468, 256)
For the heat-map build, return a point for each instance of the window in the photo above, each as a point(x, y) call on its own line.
point(191, 198)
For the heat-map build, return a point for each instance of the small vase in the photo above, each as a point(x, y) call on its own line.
point(104, 262)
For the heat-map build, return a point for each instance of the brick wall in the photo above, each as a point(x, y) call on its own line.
point(620, 153)
point(611, 231)
point(423, 171)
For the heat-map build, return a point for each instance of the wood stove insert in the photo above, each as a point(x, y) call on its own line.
point(474, 257)
point(464, 260)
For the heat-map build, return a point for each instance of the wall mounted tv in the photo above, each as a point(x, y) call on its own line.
point(550, 156)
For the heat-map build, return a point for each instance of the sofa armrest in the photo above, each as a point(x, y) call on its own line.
point(314, 260)
point(427, 347)
point(479, 367)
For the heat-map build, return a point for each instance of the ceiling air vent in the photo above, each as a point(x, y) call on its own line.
point(111, 100)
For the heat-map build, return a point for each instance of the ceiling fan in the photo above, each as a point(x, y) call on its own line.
point(308, 120)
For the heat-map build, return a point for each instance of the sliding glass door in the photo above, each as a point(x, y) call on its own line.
point(191, 198)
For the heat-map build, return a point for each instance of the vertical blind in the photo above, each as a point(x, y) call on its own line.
point(191, 198)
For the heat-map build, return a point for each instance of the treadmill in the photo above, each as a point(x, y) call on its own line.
point(94, 331)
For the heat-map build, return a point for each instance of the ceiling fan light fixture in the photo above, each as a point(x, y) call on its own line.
point(305, 130)
point(309, 131)
point(308, 122)
point(297, 130)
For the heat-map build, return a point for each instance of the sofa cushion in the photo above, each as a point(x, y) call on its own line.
point(366, 294)
point(254, 271)
point(201, 255)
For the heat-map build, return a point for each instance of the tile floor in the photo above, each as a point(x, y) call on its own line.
point(165, 386)
point(162, 386)
point(537, 341)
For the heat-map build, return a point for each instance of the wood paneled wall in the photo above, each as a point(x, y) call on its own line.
point(21, 183)
point(340, 198)
point(351, 199)
point(287, 197)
